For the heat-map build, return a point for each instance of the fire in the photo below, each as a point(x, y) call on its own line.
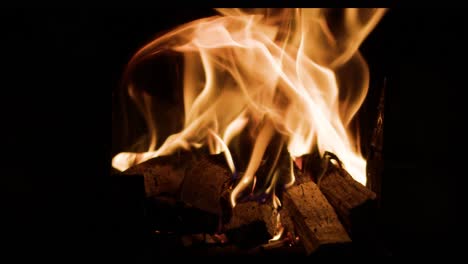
point(290, 72)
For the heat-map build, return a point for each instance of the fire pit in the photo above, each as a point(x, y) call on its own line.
point(267, 159)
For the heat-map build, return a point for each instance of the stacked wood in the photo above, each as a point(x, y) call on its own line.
point(323, 208)
point(184, 191)
point(274, 221)
point(196, 180)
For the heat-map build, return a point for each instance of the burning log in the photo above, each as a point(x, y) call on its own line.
point(184, 191)
point(316, 222)
point(163, 175)
point(353, 202)
point(195, 179)
point(252, 211)
point(188, 192)
point(204, 185)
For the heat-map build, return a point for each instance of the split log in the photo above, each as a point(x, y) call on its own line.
point(196, 179)
point(316, 222)
point(251, 223)
point(248, 236)
point(163, 175)
point(308, 166)
point(354, 203)
point(204, 184)
point(247, 212)
point(184, 190)
point(252, 218)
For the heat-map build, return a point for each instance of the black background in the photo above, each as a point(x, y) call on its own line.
point(60, 68)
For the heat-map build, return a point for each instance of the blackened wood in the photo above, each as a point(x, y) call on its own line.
point(162, 175)
point(249, 235)
point(316, 222)
point(196, 179)
point(166, 214)
point(204, 184)
point(310, 166)
point(351, 200)
point(245, 213)
point(184, 190)
point(251, 211)
point(287, 222)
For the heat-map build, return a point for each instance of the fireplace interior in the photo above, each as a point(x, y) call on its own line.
point(409, 206)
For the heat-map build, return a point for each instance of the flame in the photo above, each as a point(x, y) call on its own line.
point(279, 229)
point(293, 72)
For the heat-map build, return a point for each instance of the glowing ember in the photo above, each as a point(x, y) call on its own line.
point(293, 72)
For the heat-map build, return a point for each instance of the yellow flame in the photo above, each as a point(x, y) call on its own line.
point(261, 144)
point(225, 150)
point(293, 72)
point(291, 173)
point(279, 229)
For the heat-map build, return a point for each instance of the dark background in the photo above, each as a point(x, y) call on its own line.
point(60, 68)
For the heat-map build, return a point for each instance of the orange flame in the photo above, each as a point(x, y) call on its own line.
point(296, 72)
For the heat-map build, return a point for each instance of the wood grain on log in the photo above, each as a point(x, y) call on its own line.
point(162, 175)
point(204, 185)
point(196, 179)
point(346, 195)
point(316, 222)
point(251, 211)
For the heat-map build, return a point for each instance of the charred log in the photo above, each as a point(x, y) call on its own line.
point(316, 222)
point(252, 211)
point(354, 203)
point(169, 215)
point(195, 179)
point(204, 184)
point(188, 193)
point(163, 175)
point(351, 199)
point(184, 191)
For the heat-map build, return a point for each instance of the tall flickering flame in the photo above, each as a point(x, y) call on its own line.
point(293, 72)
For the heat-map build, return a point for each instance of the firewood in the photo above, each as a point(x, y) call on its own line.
point(162, 175)
point(251, 211)
point(354, 203)
point(316, 222)
point(310, 166)
point(249, 235)
point(167, 214)
point(287, 222)
point(184, 190)
point(194, 178)
point(204, 184)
